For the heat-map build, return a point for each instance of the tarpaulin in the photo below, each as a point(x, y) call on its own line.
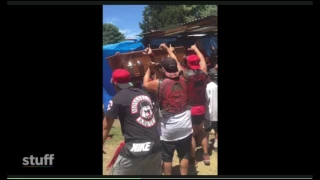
point(207, 43)
point(108, 90)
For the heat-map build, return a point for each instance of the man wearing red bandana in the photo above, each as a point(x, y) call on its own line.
point(196, 78)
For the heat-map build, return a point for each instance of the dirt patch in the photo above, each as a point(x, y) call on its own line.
point(201, 169)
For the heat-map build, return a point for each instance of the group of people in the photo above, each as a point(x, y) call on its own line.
point(175, 110)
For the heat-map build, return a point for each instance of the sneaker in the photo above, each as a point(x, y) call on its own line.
point(206, 159)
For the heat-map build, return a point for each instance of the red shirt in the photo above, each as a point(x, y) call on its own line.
point(198, 110)
point(173, 96)
point(196, 85)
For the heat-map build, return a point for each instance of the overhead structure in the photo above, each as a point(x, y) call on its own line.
point(204, 25)
point(204, 30)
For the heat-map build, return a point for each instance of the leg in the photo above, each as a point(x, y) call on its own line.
point(215, 128)
point(167, 155)
point(208, 140)
point(195, 123)
point(207, 129)
point(183, 147)
point(152, 165)
point(193, 151)
point(125, 166)
point(202, 137)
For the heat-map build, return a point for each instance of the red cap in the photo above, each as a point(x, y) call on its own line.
point(121, 78)
point(193, 61)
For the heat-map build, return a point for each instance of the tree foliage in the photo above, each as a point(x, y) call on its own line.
point(111, 34)
point(161, 16)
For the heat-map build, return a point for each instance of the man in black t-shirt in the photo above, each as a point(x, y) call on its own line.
point(141, 154)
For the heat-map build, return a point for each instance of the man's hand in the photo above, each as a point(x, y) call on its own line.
point(193, 47)
point(171, 54)
point(164, 46)
point(171, 48)
point(148, 50)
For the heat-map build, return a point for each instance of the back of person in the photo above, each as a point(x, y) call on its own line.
point(196, 78)
point(176, 118)
point(172, 96)
point(196, 89)
point(175, 126)
point(140, 154)
point(137, 121)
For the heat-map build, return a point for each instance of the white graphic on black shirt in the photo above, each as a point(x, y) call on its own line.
point(109, 105)
point(139, 147)
point(142, 105)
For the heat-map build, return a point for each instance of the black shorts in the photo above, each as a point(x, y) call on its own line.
point(197, 119)
point(209, 125)
point(182, 146)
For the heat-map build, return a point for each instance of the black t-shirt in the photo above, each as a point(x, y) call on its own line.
point(133, 106)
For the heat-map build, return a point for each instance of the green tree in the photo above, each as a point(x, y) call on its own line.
point(161, 16)
point(111, 34)
point(199, 11)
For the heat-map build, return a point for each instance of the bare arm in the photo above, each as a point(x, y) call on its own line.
point(110, 115)
point(148, 51)
point(158, 74)
point(203, 64)
point(170, 51)
point(150, 85)
point(146, 77)
point(154, 68)
point(107, 125)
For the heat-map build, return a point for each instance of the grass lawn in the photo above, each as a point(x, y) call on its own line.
point(111, 145)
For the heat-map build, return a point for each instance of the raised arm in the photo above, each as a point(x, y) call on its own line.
point(170, 51)
point(150, 85)
point(203, 64)
point(153, 65)
point(156, 69)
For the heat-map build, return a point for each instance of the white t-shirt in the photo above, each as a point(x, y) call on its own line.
point(212, 101)
point(175, 127)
